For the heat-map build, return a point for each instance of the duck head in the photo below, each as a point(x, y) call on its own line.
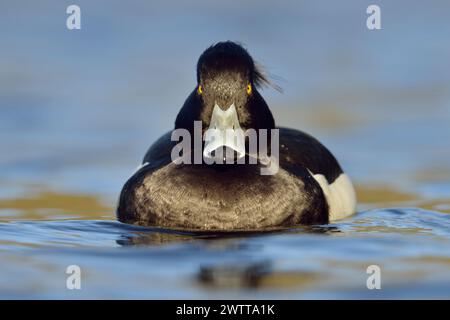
point(226, 97)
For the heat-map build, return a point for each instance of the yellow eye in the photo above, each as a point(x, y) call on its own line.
point(249, 89)
point(199, 89)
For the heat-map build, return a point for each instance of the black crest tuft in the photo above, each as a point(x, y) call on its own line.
point(231, 55)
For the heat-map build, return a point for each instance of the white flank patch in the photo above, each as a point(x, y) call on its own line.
point(341, 196)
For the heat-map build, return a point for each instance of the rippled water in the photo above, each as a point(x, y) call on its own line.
point(79, 109)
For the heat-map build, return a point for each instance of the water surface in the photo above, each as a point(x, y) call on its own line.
point(78, 109)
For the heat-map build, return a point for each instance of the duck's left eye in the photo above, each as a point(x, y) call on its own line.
point(199, 89)
point(249, 89)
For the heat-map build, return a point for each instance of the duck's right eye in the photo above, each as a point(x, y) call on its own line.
point(199, 89)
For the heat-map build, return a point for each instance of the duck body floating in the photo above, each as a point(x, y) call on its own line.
point(307, 187)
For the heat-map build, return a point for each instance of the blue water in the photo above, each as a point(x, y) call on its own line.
point(121, 261)
point(78, 109)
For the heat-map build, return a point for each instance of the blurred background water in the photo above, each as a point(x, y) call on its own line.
point(78, 109)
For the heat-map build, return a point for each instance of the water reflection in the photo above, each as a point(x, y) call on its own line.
point(158, 236)
point(78, 110)
point(411, 246)
point(243, 274)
